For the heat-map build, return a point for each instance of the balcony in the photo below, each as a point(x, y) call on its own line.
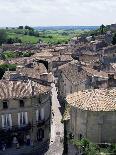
point(40, 123)
point(16, 128)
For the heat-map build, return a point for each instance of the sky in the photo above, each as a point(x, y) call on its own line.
point(57, 12)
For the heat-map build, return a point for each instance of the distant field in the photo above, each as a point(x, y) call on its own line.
point(47, 36)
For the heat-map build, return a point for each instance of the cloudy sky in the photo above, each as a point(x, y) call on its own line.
point(57, 12)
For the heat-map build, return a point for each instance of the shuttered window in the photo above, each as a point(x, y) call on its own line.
point(6, 121)
point(22, 118)
point(40, 115)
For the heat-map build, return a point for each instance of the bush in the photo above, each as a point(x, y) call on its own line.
point(3, 36)
point(5, 67)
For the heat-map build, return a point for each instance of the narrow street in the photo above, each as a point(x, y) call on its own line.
point(57, 128)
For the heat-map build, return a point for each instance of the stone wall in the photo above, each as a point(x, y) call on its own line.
point(31, 105)
point(98, 127)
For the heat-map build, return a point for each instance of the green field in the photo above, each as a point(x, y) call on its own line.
point(47, 36)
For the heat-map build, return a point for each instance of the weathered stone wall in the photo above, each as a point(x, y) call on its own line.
point(31, 105)
point(98, 127)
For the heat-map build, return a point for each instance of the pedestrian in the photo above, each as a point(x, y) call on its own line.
point(17, 146)
point(28, 140)
point(3, 146)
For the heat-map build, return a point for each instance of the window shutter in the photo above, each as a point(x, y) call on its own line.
point(42, 114)
point(10, 119)
point(26, 118)
point(37, 115)
point(19, 115)
point(2, 121)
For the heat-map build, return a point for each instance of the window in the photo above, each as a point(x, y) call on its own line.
point(39, 100)
point(40, 134)
point(5, 105)
point(22, 103)
point(22, 118)
point(40, 114)
point(6, 121)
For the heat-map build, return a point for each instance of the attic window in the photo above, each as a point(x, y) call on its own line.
point(5, 105)
point(22, 103)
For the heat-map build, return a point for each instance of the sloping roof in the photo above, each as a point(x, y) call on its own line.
point(29, 72)
point(94, 100)
point(113, 66)
point(43, 54)
point(21, 61)
point(33, 72)
point(70, 70)
point(18, 89)
point(94, 72)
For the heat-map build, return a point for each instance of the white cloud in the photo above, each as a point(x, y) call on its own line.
point(57, 12)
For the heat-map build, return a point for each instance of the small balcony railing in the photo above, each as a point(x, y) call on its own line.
point(16, 128)
point(40, 123)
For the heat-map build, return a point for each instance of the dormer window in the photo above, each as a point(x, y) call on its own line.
point(5, 105)
point(22, 104)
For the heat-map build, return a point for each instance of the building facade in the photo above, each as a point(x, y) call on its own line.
point(25, 113)
point(92, 115)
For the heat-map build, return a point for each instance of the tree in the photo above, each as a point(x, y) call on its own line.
point(114, 39)
point(3, 36)
point(85, 146)
point(102, 28)
point(28, 28)
point(20, 27)
point(5, 67)
point(10, 41)
point(31, 32)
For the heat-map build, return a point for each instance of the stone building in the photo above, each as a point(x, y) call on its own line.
point(74, 77)
point(113, 27)
point(92, 115)
point(71, 78)
point(25, 113)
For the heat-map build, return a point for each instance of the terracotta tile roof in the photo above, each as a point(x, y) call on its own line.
point(94, 100)
point(29, 72)
point(113, 66)
point(70, 70)
point(42, 54)
point(33, 72)
point(18, 89)
point(94, 72)
point(21, 61)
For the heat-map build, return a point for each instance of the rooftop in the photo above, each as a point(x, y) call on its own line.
point(29, 72)
point(43, 54)
point(21, 61)
point(94, 100)
point(71, 71)
point(96, 73)
point(18, 89)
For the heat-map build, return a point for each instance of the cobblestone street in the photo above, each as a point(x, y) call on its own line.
point(57, 128)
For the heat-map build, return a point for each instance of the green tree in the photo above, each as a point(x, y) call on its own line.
point(102, 28)
point(3, 36)
point(5, 67)
point(20, 27)
point(114, 39)
point(85, 146)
